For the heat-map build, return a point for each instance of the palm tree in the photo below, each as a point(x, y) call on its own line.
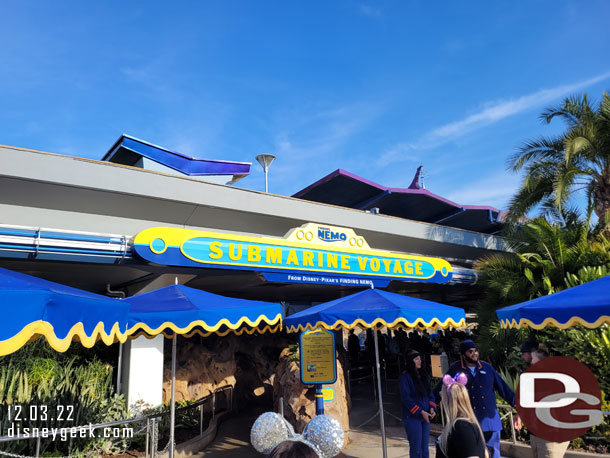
point(545, 257)
point(556, 167)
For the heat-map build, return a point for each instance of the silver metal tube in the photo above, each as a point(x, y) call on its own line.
point(147, 437)
point(381, 419)
point(119, 370)
point(213, 405)
point(37, 446)
point(281, 406)
point(154, 439)
point(172, 412)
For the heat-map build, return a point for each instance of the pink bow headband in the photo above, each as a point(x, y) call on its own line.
point(460, 378)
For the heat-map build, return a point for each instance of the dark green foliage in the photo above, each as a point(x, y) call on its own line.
point(547, 257)
point(38, 376)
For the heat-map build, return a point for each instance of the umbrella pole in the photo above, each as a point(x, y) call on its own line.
point(172, 408)
point(381, 419)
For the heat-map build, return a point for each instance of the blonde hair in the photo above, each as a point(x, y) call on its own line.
point(457, 407)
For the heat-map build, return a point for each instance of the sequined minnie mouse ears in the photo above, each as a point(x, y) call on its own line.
point(323, 434)
point(460, 378)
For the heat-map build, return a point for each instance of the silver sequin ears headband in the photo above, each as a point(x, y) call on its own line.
point(323, 434)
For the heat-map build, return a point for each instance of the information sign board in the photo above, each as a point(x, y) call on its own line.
point(318, 362)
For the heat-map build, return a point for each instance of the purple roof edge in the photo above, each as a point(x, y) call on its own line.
point(395, 190)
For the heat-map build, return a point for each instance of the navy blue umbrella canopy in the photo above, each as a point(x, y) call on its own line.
point(588, 305)
point(373, 307)
point(183, 310)
point(33, 308)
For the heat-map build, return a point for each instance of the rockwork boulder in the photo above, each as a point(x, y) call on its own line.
point(299, 399)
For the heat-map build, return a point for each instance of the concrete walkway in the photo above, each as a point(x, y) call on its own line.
point(233, 437)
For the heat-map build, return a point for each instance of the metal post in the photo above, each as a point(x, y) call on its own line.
point(213, 405)
point(381, 419)
point(512, 427)
point(349, 381)
point(147, 436)
point(153, 439)
point(119, 370)
point(201, 420)
point(37, 446)
point(319, 400)
point(281, 406)
point(172, 413)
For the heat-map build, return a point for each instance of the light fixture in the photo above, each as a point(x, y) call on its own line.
point(265, 161)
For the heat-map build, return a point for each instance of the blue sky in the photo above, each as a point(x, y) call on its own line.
point(375, 88)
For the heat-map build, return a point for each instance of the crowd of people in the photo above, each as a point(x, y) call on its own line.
point(467, 393)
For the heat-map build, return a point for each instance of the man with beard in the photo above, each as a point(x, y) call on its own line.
point(483, 380)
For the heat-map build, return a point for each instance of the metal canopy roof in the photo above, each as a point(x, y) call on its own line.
point(129, 150)
point(345, 189)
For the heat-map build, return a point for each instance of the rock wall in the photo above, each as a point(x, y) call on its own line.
point(260, 370)
point(248, 363)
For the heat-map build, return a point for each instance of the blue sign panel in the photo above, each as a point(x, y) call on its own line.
point(323, 279)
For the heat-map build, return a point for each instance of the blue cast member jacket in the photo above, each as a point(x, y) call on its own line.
point(481, 387)
point(412, 402)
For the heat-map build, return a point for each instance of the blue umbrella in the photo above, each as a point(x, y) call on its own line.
point(178, 309)
point(33, 307)
point(371, 308)
point(587, 304)
point(183, 310)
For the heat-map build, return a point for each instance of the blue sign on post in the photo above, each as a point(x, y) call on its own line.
point(318, 362)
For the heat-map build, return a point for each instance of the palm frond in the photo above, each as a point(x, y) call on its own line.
point(541, 148)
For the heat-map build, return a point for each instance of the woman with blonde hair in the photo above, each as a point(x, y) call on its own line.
point(462, 436)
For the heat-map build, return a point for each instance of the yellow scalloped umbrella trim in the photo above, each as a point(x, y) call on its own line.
point(201, 333)
point(41, 328)
point(399, 322)
point(168, 325)
point(524, 323)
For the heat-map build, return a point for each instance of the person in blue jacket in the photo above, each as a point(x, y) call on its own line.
point(483, 381)
point(418, 406)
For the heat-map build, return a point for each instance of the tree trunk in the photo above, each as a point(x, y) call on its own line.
point(601, 198)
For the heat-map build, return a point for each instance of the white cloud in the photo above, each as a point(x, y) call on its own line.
point(494, 190)
point(401, 152)
point(492, 112)
point(498, 110)
point(319, 133)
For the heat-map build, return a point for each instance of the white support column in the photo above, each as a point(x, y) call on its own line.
point(142, 371)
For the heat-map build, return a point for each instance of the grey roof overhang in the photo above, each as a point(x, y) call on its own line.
point(65, 192)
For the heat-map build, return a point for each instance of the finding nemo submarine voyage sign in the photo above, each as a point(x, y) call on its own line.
point(308, 251)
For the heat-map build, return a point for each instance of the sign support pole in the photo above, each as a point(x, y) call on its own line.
point(319, 400)
point(381, 419)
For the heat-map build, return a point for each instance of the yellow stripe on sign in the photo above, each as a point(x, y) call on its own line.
point(328, 394)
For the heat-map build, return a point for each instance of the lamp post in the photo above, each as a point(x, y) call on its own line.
point(265, 161)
